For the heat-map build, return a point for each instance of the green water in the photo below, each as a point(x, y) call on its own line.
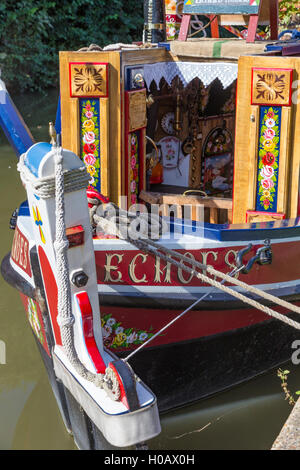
point(247, 417)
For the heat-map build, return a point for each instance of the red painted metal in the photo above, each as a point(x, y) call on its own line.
point(20, 252)
point(196, 325)
point(123, 397)
point(92, 193)
point(87, 325)
point(51, 291)
point(117, 267)
point(75, 235)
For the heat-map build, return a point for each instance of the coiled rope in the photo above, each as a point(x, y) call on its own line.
point(45, 187)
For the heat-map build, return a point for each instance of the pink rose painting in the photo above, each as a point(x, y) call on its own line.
point(89, 137)
point(89, 159)
point(269, 149)
point(267, 171)
point(269, 134)
point(267, 183)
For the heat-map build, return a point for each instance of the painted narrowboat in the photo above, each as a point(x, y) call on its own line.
point(158, 243)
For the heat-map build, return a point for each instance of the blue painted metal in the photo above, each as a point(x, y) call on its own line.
point(166, 45)
point(287, 228)
point(24, 209)
point(58, 118)
point(15, 129)
point(34, 156)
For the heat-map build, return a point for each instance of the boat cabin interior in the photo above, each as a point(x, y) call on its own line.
point(204, 127)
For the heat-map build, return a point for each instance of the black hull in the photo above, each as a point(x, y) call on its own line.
point(183, 373)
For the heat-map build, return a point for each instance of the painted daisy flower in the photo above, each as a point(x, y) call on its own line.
point(119, 330)
point(106, 331)
point(131, 338)
point(143, 336)
point(111, 321)
point(270, 122)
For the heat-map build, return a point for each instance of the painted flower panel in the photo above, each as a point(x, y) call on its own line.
point(133, 167)
point(268, 158)
point(116, 336)
point(90, 139)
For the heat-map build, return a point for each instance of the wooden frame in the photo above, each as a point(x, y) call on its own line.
point(213, 204)
point(110, 123)
point(245, 165)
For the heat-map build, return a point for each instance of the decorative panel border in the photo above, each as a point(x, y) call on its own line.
point(271, 86)
point(268, 158)
point(90, 148)
point(88, 79)
point(135, 180)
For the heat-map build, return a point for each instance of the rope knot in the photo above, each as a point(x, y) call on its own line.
point(65, 321)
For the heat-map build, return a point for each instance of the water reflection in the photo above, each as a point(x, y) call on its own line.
point(247, 417)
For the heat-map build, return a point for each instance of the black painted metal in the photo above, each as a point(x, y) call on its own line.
point(154, 15)
point(15, 279)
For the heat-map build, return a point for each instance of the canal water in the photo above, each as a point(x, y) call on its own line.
point(249, 416)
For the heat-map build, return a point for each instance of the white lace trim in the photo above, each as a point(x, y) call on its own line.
point(187, 71)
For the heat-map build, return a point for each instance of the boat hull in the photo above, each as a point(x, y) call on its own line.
point(184, 372)
point(219, 343)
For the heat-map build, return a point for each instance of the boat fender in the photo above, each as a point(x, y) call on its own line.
point(119, 376)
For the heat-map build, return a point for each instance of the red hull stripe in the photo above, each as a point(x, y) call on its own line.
point(132, 267)
point(194, 325)
point(50, 287)
point(87, 325)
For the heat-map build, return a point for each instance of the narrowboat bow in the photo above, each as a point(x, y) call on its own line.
point(158, 243)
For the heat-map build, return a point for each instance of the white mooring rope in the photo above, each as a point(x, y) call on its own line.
point(45, 187)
